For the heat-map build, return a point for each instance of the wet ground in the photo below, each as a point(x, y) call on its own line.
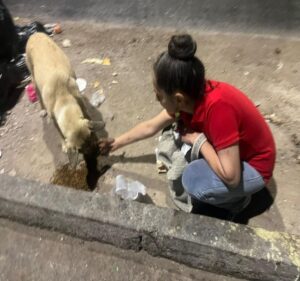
point(264, 67)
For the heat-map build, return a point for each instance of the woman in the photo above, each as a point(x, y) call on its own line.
point(234, 144)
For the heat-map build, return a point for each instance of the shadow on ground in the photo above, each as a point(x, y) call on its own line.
point(260, 204)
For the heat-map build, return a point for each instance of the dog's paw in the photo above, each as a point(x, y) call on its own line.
point(43, 113)
point(64, 147)
point(49, 119)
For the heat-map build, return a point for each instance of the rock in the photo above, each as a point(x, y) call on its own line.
point(279, 66)
point(273, 118)
point(2, 171)
point(0, 153)
point(12, 173)
point(277, 51)
point(133, 40)
point(257, 103)
point(114, 82)
point(115, 74)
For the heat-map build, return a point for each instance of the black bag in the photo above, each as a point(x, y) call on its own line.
point(8, 35)
point(9, 92)
point(25, 31)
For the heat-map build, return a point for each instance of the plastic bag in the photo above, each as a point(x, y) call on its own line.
point(97, 98)
point(25, 31)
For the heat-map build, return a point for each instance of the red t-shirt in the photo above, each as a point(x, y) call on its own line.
point(227, 116)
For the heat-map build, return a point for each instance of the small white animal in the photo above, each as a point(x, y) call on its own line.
point(55, 82)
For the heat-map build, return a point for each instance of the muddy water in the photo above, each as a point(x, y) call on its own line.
point(71, 177)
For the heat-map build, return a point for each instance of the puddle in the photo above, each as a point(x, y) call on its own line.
point(84, 176)
point(71, 177)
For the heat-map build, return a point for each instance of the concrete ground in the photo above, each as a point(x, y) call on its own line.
point(30, 254)
point(264, 67)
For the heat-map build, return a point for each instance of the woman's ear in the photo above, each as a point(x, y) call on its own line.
point(180, 100)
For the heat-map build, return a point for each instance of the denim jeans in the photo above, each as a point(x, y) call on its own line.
point(202, 184)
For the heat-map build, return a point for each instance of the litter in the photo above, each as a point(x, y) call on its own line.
point(52, 28)
point(25, 31)
point(106, 61)
point(31, 93)
point(273, 118)
point(97, 98)
point(57, 29)
point(81, 83)
point(93, 61)
point(12, 173)
point(66, 43)
point(96, 84)
point(129, 189)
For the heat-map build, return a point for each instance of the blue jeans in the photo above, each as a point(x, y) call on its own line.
point(202, 184)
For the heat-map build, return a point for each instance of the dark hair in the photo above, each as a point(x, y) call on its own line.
point(178, 70)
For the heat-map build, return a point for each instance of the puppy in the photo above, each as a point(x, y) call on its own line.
point(55, 82)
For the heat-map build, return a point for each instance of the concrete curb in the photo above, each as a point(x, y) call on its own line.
point(197, 241)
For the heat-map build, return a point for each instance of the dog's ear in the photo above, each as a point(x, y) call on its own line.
point(96, 125)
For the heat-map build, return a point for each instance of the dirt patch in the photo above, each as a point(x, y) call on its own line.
point(32, 148)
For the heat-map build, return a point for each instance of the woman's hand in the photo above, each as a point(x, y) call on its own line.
point(190, 137)
point(107, 145)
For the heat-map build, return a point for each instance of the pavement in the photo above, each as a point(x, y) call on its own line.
point(200, 242)
point(34, 254)
point(143, 230)
point(271, 16)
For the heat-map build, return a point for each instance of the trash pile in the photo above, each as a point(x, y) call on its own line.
point(14, 75)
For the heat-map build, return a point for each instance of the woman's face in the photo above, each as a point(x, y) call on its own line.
point(166, 101)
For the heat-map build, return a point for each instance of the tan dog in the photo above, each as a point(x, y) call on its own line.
point(56, 86)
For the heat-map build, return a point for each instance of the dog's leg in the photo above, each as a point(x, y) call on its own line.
point(64, 147)
point(48, 101)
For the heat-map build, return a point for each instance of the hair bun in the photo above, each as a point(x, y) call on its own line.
point(182, 47)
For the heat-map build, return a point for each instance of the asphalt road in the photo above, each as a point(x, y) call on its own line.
point(29, 254)
point(268, 16)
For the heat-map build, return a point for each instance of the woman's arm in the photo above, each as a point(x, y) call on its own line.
point(225, 163)
point(139, 132)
